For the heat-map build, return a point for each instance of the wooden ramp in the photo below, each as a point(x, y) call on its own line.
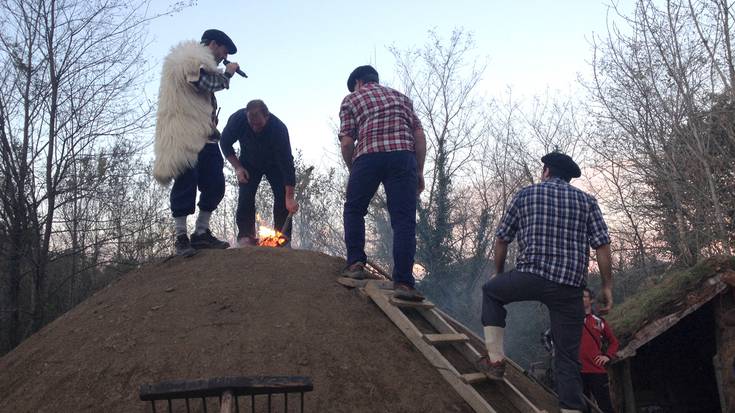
point(449, 351)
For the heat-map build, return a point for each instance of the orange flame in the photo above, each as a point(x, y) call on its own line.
point(269, 237)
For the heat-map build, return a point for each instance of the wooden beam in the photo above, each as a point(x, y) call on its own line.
point(473, 378)
point(445, 338)
point(353, 283)
point(628, 391)
point(179, 389)
point(411, 304)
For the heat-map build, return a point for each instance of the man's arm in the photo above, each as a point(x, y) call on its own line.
point(212, 82)
point(230, 134)
point(604, 262)
point(505, 233)
point(347, 146)
point(420, 148)
point(242, 174)
point(216, 81)
point(613, 345)
point(284, 158)
point(347, 131)
point(501, 252)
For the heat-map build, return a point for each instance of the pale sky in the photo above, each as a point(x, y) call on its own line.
point(298, 54)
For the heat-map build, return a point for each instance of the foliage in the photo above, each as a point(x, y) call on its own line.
point(656, 297)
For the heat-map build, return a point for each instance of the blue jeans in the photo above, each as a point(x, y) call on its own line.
point(397, 172)
point(566, 312)
point(206, 175)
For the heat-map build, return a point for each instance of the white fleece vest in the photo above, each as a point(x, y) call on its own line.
point(184, 118)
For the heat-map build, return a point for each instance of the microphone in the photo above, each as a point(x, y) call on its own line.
point(239, 72)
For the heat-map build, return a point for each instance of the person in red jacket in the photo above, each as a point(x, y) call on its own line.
point(597, 347)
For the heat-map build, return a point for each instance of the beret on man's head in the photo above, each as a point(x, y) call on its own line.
point(221, 38)
point(562, 163)
point(360, 73)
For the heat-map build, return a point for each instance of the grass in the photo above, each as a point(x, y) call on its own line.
point(658, 297)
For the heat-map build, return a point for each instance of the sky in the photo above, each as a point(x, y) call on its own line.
point(298, 54)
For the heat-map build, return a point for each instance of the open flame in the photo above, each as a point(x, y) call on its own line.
point(269, 237)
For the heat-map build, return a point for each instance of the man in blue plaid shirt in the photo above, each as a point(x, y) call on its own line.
point(555, 225)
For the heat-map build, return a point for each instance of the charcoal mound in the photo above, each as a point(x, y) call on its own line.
point(237, 312)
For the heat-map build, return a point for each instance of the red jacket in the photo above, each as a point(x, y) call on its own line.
point(594, 333)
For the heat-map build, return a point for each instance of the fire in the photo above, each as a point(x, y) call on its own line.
point(269, 237)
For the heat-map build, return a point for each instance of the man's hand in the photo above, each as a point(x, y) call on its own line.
point(601, 360)
point(501, 252)
point(292, 206)
point(421, 184)
point(231, 68)
point(347, 146)
point(607, 299)
point(604, 262)
point(242, 175)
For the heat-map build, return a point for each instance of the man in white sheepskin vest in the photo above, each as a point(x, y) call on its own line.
point(186, 146)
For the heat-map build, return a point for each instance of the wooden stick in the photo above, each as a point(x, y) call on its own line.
point(379, 270)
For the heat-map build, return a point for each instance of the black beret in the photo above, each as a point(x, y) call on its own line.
point(221, 38)
point(563, 163)
point(359, 73)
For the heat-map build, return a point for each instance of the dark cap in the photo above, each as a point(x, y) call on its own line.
point(359, 74)
point(562, 163)
point(221, 38)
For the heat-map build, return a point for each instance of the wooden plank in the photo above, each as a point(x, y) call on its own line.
point(353, 283)
point(450, 374)
point(434, 317)
point(472, 378)
point(445, 338)
point(411, 304)
point(228, 404)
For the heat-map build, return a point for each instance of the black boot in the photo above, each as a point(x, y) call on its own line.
point(207, 240)
point(183, 247)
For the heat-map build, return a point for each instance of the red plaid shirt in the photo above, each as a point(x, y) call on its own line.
point(379, 118)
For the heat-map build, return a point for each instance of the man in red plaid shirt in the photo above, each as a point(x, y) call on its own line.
point(390, 149)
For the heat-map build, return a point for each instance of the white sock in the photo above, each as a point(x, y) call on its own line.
point(202, 224)
point(494, 343)
point(180, 225)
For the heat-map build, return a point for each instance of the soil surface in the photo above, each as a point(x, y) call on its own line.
point(237, 312)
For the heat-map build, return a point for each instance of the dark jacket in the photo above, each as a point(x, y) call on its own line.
point(262, 151)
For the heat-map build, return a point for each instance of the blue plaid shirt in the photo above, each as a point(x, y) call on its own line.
point(556, 225)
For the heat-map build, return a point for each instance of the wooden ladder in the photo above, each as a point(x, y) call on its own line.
point(474, 387)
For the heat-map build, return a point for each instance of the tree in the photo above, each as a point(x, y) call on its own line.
point(69, 103)
point(442, 85)
point(660, 88)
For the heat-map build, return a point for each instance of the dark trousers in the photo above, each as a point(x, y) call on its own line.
point(245, 215)
point(397, 172)
point(597, 386)
point(566, 312)
point(207, 176)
